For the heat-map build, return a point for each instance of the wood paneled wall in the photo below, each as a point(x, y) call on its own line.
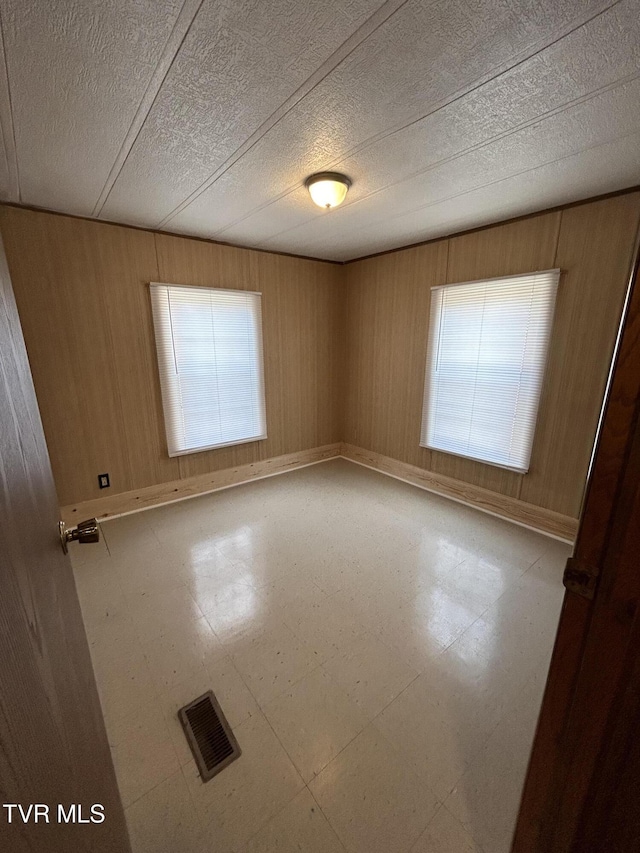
point(387, 327)
point(344, 346)
point(82, 293)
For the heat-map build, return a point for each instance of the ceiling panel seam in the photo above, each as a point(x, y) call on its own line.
point(473, 87)
point(463, 93)
point(264, 245)
point(521, 172)
point(373, 23)
point(7, 126)
point(457, 156)
point(179, 32)
point(349, 154)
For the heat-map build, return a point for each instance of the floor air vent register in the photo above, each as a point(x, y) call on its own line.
point(209, 734)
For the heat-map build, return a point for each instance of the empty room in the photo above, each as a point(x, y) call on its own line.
point(319, 426)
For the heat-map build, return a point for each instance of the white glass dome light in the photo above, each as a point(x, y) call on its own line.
point(328, 189)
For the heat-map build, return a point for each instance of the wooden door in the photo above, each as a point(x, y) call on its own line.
point(53, 746)
point(582, 792)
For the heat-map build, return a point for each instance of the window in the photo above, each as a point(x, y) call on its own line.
point(209, 344)
point(485, 362)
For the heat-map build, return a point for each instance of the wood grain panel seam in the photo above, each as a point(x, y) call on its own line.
point(117, 391)
point(7, 123)
point(558, 228)
point(555, 266)
point(155, 249)
point(446, 263)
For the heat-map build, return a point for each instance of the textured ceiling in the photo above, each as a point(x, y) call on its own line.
point(204, 117)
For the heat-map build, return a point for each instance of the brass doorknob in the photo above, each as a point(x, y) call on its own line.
point(85, 531)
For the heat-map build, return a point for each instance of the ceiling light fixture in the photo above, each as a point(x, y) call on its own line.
point(328, 189)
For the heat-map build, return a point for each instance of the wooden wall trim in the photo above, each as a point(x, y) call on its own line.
point(209, 240)
point(136, 500)
point(538, 518)
point(404, 247)
point(555, 209)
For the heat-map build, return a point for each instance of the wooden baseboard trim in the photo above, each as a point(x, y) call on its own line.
point(125, 503)
point(527, 515)
point(537, 518)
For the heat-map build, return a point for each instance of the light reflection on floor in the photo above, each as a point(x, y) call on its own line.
point(379, 651)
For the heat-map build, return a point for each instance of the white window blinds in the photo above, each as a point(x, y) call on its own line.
point(485, 363)
point(209, 344)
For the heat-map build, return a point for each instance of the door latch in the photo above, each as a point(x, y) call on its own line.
point(86, 531)
point(581, 577)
